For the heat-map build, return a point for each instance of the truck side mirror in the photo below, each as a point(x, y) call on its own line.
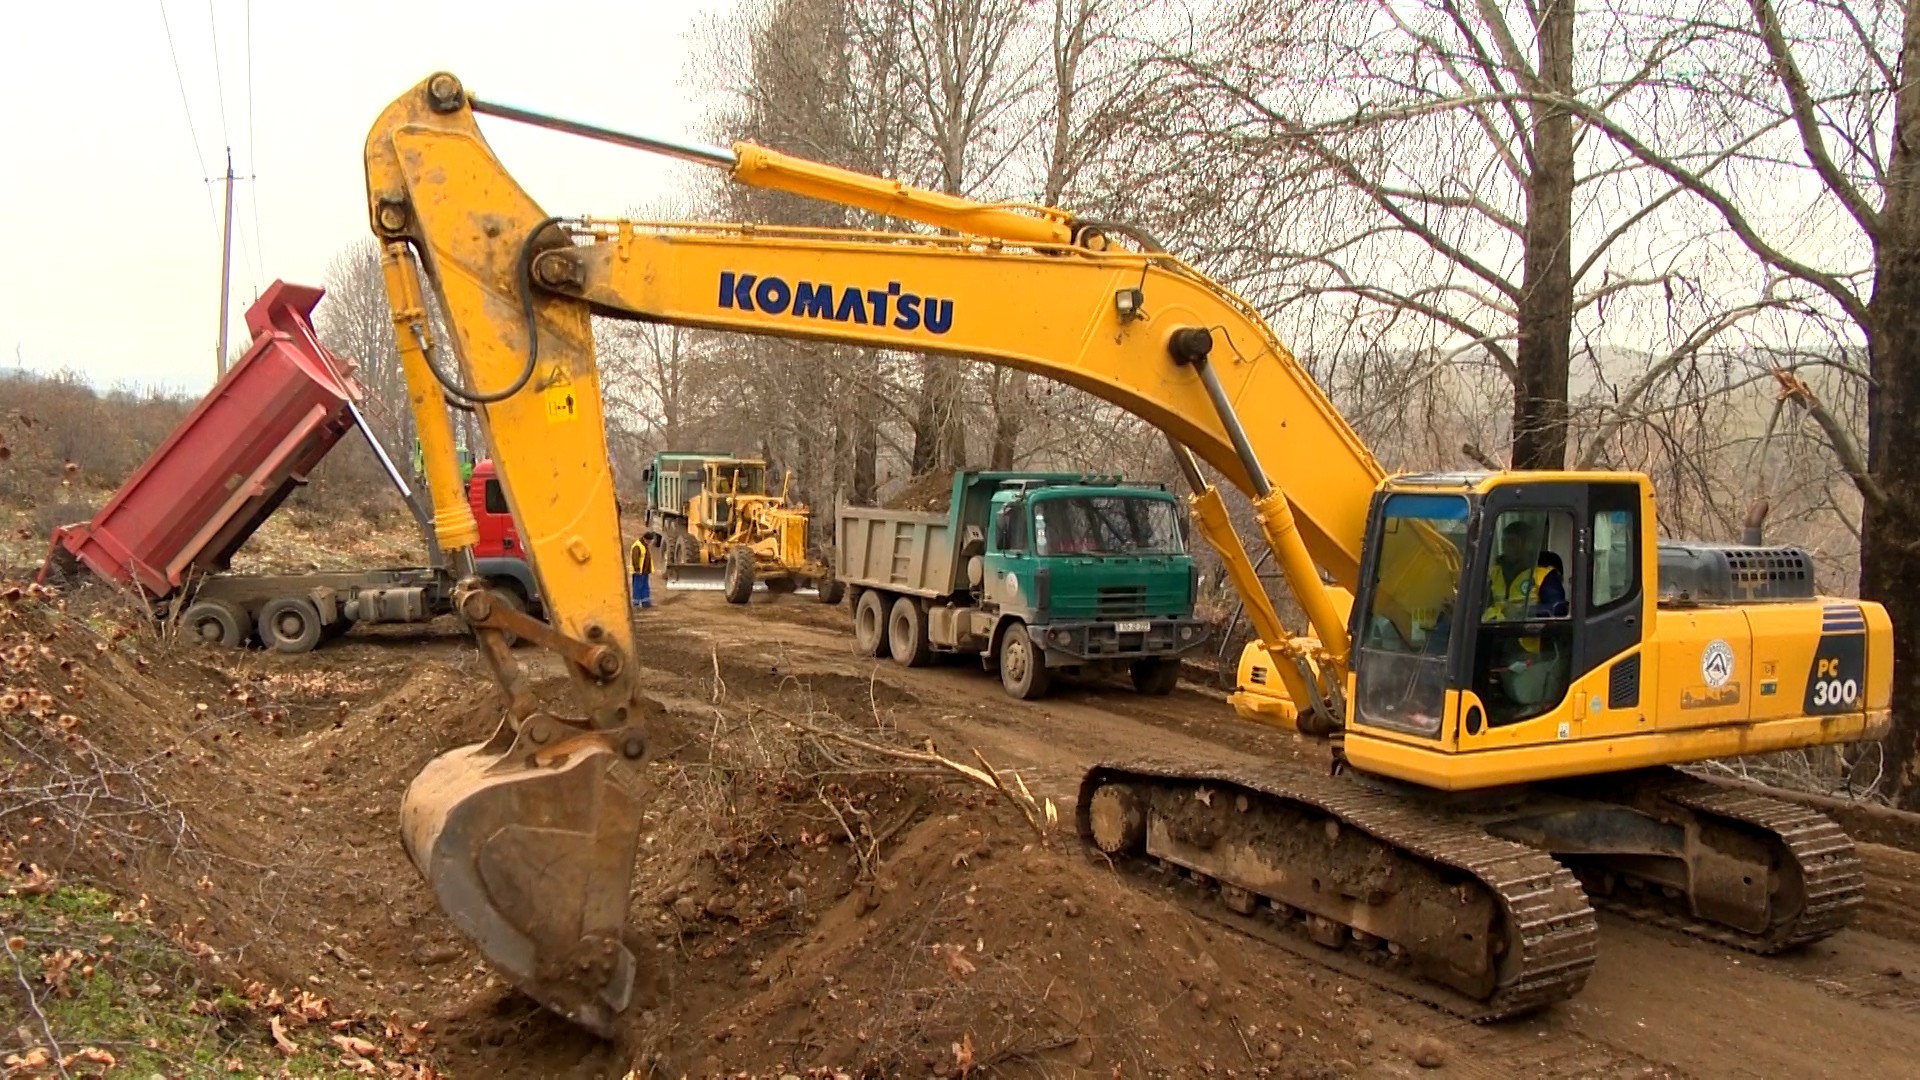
point(646, 475)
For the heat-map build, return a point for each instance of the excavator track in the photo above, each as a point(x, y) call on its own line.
point(1809, 845)
point(1420, 876)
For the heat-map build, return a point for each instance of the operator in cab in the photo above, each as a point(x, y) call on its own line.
point(641, 566)
point(1525, 582)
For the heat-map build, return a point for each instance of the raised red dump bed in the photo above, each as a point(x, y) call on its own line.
point(230, 463)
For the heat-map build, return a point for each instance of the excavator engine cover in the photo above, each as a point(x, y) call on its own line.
point(534, 863)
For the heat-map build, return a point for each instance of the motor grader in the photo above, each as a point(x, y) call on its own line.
point(720, 529)
point(1502, 756)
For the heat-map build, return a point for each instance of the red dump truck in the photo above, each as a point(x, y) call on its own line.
point(170, 532)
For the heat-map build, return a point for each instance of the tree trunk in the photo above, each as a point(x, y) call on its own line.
point(866, 450)
point(1546, 297)
point(1009, 417)
point(1889, 529)
point(939, 422)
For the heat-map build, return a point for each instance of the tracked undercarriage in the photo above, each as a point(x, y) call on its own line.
point(1478, 903)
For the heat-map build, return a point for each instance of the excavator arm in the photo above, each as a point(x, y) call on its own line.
point(528, 839)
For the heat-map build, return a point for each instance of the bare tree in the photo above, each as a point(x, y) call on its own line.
point(1407, 189)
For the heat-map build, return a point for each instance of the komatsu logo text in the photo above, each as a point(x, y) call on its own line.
point(889, 306)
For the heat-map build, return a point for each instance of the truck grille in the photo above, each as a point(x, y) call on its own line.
point(1121, 601)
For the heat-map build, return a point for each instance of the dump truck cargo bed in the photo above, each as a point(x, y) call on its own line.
point(198, 497)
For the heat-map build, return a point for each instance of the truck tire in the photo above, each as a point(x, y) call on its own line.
point(870, 624)
point(216, 622)
point(1155, 675)
point(739, 580)
point(907, 633)
point(1023, 670)
point(290, 624)
point(830, 590)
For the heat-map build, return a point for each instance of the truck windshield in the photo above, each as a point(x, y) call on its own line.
point(1105, 525)
point(1401, 670)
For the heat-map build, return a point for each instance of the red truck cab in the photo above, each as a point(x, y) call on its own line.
point(498, 537)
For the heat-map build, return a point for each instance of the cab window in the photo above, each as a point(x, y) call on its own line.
point(1010, 529)
point(1524, 652)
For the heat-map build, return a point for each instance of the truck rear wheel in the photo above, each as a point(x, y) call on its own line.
point(290, 624)
point(907, 633)
point(1023, 670)
point(870, 624)
point(215, 622)
point(739, 581)
point(1155, 675)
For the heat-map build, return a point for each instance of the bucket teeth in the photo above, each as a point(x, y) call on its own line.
point(534, 864)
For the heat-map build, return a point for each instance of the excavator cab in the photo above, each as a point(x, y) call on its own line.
point(1485, 598)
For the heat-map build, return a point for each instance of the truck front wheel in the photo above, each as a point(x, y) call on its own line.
point(1023, 670)
point(1155, 675)
point(215, 622)
point(870, 624)
point(739, 580)
point(290, 624)
point(907, 633)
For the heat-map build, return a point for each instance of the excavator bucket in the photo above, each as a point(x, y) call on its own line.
point(534, 864)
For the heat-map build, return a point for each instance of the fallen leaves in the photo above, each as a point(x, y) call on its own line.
point(34, 882)
point(280, 1041)
point(958, 965)
point(55, 968)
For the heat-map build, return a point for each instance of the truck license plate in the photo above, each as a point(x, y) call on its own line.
point(1134, 626)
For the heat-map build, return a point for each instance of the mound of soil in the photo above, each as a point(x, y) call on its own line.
point(929, 493)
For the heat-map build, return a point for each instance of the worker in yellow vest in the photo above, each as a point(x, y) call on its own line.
point(1525, 583)
point(641, 566)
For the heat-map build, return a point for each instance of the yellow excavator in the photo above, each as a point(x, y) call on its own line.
point(1507, 665)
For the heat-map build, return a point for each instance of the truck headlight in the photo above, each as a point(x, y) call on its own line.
point(1186, 633)
point(1059, 637)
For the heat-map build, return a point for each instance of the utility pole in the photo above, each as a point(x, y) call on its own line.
point(226, 268)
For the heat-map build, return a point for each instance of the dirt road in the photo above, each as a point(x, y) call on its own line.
point(1658, 1003)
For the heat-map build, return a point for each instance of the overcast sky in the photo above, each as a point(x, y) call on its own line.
point(111, 235)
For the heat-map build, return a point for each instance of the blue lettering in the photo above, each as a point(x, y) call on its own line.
point(772, 295)
point(878, 298)
point(939, 315)
point(851, 308)
point(736, 291)
point(907, 312)
point(892, 305)
point(812, 301)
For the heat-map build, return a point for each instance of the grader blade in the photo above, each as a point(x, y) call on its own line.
point(697, 577)
point(534, 864)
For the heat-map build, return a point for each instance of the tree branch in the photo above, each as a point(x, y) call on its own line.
point(1800, 102)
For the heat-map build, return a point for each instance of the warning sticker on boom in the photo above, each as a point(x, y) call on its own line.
point(562, 405)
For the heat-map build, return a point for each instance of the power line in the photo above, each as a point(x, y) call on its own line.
point(253, 188)
point(199, 158)
point(219, 84)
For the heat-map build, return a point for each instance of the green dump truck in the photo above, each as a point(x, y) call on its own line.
point(1036, 573)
